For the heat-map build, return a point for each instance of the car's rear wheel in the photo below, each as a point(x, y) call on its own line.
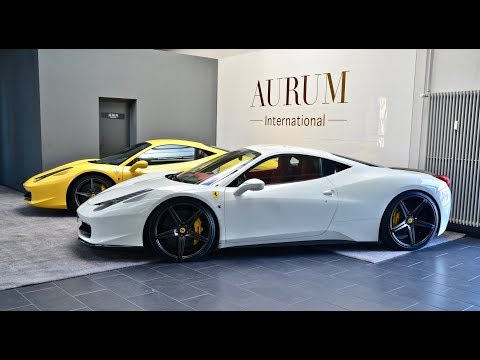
point(183, 229)
point(85, 188)
point(409, 222)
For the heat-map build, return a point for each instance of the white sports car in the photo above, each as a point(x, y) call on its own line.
point(268, 194)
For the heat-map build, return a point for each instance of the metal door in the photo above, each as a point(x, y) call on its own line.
point(114, 126)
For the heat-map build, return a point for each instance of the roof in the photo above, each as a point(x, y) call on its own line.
point(284, 149)
point(174, 141)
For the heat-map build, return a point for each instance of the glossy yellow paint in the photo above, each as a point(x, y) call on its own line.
point(51, 192)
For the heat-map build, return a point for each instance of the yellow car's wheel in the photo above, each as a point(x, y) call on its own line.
point(182, 229)
point(86, 187)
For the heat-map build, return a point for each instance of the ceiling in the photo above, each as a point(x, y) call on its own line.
point(212, 53)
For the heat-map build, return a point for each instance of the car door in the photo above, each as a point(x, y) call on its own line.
point(296, 204)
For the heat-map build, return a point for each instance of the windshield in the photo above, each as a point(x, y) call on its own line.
point(201, 173)
point(123, 155)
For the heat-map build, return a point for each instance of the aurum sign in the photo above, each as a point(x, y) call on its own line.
point(317, 90)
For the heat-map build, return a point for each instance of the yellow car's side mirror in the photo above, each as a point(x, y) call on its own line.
point(141, 164)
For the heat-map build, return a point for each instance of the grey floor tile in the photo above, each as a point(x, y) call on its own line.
point(315, 304)
point(174, 288)
point(35, 287)
point(103, 274)
point(124, 286)
point(464, 296)
point(141, 273)
point(229, 275)
point(25, 308)
point(199, 264)
point(282, 266)
point(284, 294)
point(367, 305)
point(264, 274)
point(209, 302)
point(157, 301)
point(181, 291)
point(224, 290)
point(378, 283)
point(395, 302)
point(11, 299)
point(323, 256)
point(431, 299)
point(238, 264)
point(332, 282)
point(422, 307)
point(84, 309)
point(78, 285)
point(473, 308)
point(53, 299)
point(182, 273)
point(165, 281)
point(326, 269)
point(106, 300)
point(261, 303)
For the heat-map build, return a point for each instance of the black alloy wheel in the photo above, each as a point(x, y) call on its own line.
point(87, 187)
point(409, 221)
point(183, 229)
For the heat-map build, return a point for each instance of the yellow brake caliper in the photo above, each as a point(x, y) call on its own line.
point(197, 226)
point(395, 217)
point(102, 187)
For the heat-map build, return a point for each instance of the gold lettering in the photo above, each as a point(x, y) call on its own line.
point(334, 92)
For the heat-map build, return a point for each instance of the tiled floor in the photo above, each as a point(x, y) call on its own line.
point(444, 277)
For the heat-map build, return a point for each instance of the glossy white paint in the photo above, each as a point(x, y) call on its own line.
point(298, 211)
point(378, 96)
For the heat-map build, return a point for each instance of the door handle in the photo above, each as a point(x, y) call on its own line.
point(329, 193)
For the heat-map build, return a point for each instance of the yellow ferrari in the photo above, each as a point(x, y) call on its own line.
point(69, 185)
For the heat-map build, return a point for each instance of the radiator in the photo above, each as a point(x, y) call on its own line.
point(453, 149)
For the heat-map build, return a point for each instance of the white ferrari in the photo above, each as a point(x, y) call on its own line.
point(268, 194)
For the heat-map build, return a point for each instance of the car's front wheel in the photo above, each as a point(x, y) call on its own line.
point(182, 229)
point(85, 188)
point(409, 221)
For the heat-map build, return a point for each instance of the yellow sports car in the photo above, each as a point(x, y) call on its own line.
point(68, 186)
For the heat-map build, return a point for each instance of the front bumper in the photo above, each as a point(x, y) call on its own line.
point(47, 193)
point(119, 225)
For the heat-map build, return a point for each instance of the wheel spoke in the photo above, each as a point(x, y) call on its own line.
point(92, 185)
point(83, 194)
point(197, 236)
point(193, 217)
point(424, 224)
point(411, 234)
point(400, 226)
point(181, 246)
point(174, 216)
point(165, 234)
point(403, 208)
point(419, 208)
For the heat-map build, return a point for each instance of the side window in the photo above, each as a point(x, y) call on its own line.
point(167, 154)
point(331, 167)
point(201, 153)
point(285, 169)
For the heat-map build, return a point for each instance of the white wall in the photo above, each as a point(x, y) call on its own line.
point(377, 106)
point(176, 97)
point(455, 70)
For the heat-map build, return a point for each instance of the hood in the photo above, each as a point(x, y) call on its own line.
point(156, 181)
point(64, 166)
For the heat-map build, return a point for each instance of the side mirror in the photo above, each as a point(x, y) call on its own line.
point(251, 184)
point(141, 164)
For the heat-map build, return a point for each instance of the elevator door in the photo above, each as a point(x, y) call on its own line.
point(114, 126)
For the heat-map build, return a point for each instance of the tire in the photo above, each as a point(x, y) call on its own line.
point(409, 221)
point(81, 189)
point(181, 229)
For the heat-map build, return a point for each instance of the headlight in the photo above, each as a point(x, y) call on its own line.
point(105, 204)
point(50, 174)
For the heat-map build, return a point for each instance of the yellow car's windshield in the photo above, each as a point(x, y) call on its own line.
point(123, 155)
point(204, 173)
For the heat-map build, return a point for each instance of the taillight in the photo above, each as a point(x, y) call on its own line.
point(443, 178)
